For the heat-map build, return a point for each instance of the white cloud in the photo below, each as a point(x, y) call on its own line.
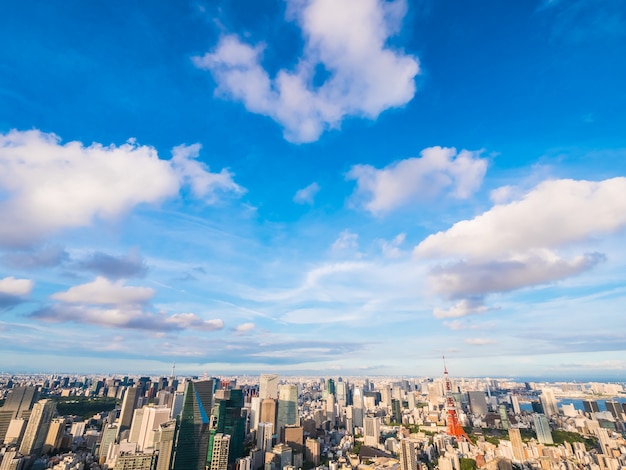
point(203, 183)
point(348, 39)
point(126, 316)
point(392, 249)
point(471, 278)
point(346, 242)
point(514, 245)
point(553, 214)
point(245, 327)
point(306, 195)
point(479, 341)
point(414, 179)
point(461, 309)
point(49, 186)
point(105, 292)
point(11, 286)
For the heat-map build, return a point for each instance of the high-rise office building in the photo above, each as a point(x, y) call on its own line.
point(226, 418)
point(265, 432)
point(293, 436)
point(135, 462)
point(129, 404)
point(591, 406)
point(342, 393)
point(357, 407)
point(221, 446)
point(109, 435)
point(548, 402)
point(408, 455)
point(54, 436)
point(146, 426)
point(615, 408)
point(268, 411)
point(11, 461)
point(330, 387)
point(515, 404)
point(542, 428)
point(477, 403)
point(312, 451)
point(268, 386)
point(504, 417)
point(15, 431)
point(516, 443)
point(164, 444)
point(192, 442)
point(371, 429)
point(287, 413)
point(37, 427)
point(396, 410)
point(18, 404)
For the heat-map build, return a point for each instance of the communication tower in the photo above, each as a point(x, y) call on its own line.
point(454, 427)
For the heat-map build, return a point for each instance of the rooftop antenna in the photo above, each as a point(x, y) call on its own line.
point(174, 370)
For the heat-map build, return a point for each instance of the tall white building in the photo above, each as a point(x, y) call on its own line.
point(264, 436)
point(268, 386)
point(371, 431)
point(221, 445)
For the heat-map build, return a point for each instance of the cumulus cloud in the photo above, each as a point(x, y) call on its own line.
point(113, 304)
point(245, 328)
point(553, 214)
point(471, 278)
point(103, 291)
point(414, 179)
point(348, 39)
point(306, 195)
point(13, 291)
point(114, 267)
point(48, 186)
point(515, 245)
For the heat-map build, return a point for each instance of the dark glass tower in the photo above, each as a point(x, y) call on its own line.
point(226, 418)
point(193, 436)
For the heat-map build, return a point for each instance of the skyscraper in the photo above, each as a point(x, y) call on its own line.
point(542, 428)
point(264, 436)
point(287, 406)
point(591, 406)
point(192, 442)
point(129, 404)
point(516, 442)
point(221, 446)
point(37, 427)
point(477, 403)
point(548, 402)
point(226, 418)
point(371, 430)
point(268, 386)
point(165, 438)
point(408, 455)
point(268, 411)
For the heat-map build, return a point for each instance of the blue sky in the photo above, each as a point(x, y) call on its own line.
point(314, 186)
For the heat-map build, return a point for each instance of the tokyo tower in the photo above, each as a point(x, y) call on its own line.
point(454, 427)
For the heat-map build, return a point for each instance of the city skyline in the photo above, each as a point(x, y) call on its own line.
point(314, 187)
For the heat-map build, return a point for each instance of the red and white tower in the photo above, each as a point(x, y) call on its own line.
point(454, 427)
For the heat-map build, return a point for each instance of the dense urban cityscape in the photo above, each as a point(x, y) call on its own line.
point(72, 422)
